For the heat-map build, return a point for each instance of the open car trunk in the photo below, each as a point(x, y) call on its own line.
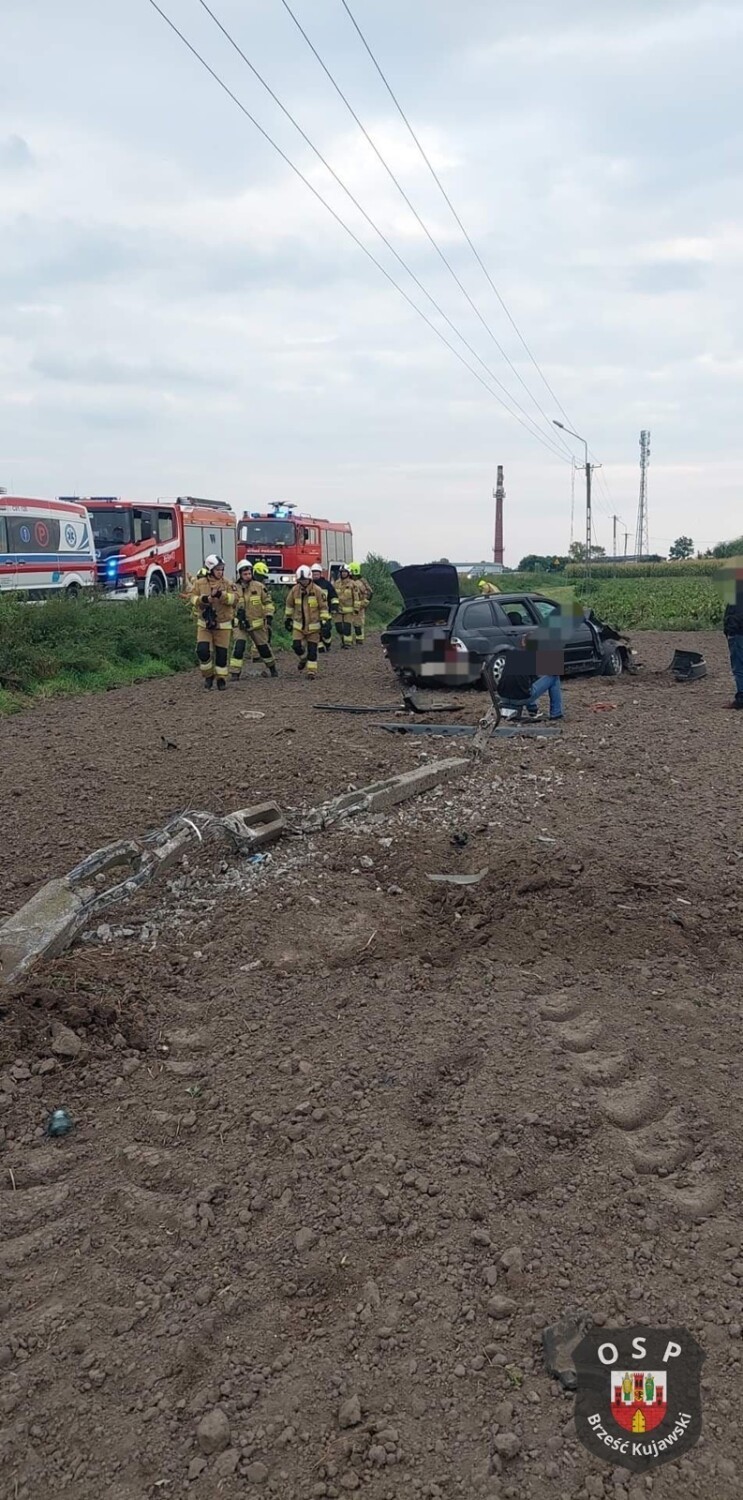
point(430, 594)
point(423, 615)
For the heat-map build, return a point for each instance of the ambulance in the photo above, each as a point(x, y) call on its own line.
point(46, 547)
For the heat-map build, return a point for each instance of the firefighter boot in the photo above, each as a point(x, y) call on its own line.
point(221, 684)
point(299, 649)
point(312, 652)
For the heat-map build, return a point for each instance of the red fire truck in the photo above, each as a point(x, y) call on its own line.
point(151, 549)
point(285, 541)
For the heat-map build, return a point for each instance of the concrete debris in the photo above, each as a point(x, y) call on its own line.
point(459, 879)
point(59, 912)
point(382, 795)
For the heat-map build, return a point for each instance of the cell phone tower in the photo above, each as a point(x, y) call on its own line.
point(642, 539)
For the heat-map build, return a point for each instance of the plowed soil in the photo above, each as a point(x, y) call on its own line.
point(345, 1139)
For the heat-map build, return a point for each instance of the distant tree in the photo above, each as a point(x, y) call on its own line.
point(442, 560)
point(534, 563)
point(578, 552)
point(682, 548)
point(728, 549)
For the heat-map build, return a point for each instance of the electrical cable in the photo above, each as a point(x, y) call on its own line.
point(368, 253)
point(453, 210)
point(354, 200)
point(401, 190)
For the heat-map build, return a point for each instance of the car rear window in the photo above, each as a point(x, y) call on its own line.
point(477, 616)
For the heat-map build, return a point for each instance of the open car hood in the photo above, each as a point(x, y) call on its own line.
point(428, 583)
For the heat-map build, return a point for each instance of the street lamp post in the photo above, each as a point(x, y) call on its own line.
point(588, 469)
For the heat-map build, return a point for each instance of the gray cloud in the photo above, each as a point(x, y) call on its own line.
point(15, 154)
point(100, 370)
point(177, 312)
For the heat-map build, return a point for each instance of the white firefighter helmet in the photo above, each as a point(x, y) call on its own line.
point(213, 561)
point(316, 568)
point(243, 564)
point(303, 574)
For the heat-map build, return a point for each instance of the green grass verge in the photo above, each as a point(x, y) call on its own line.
point(87, 645)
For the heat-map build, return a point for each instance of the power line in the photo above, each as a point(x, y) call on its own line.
point(354, 200)
point(453, 210)
point(368, 253)
point(401, 190)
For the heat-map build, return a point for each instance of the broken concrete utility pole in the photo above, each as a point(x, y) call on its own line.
point(63, 908)
point(383, 794)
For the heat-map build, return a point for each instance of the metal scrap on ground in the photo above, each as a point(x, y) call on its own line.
point(468, 731)
point(688, 666)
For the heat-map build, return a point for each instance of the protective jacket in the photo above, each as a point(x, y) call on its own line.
point(213, 594)
point(349, 596)
point(327, 588)
point(305, 609)
point(254, 605)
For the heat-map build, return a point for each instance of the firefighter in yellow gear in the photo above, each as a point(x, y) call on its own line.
point(213, 599)
point(254, 608)
point(327, 588)
point(486, 588)
point(347, 591)
point(306, 610)
point(260, 572)
point(365, 593)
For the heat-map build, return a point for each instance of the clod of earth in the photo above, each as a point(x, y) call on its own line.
point(213, 1431)
point(349, 1414)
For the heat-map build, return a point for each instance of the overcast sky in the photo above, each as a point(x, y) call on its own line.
point(179, 315)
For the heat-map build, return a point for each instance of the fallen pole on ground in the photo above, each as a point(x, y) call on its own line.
point(51, 921)
point(383, 794)
point(63, 908)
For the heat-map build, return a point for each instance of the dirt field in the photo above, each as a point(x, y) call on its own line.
point(346, 1140)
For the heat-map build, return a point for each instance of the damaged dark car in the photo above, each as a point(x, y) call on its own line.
point(443, 639)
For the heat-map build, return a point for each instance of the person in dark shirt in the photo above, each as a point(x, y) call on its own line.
point(732, 625)
point(525, 681)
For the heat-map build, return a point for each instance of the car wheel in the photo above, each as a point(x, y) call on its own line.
point(613, 664)
point(156, 585)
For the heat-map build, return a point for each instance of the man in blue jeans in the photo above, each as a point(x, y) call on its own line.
point(733, 627)
point(521, 690)
point(543, 685)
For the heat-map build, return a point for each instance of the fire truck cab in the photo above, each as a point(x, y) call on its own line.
point(152, 549)
point(285, 541)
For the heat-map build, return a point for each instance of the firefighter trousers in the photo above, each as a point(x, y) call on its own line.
point(344, 627)
point(255, 654)
point(326, 635)
point(212, 650)
point(261, 648)
point(358, 627)
point(306, 648)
